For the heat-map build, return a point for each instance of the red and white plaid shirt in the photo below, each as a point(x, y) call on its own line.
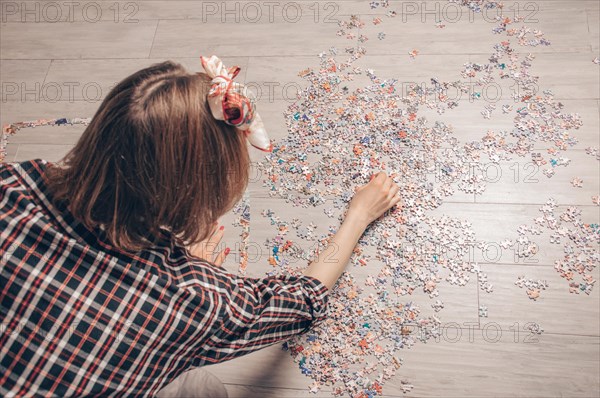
point(80, 317)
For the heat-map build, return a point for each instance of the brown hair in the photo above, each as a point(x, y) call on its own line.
point(153, 156)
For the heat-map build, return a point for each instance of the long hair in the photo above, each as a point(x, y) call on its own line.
point(153, 158)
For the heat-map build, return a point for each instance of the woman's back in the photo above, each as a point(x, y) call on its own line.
point(81, 317)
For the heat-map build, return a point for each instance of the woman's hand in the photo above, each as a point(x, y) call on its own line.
point(206, 248)
point(371, 200)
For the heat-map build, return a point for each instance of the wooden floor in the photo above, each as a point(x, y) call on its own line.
point(63, 69)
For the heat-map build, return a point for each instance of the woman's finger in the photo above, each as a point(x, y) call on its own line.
point(215, 240)
point(387, 183)
point(221, 256)
point(217, 236)
point(382, 175)
point(393, 191)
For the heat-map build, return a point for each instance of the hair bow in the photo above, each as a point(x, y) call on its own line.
point(228, 101)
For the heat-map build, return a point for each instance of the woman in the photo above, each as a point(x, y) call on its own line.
point(106, 283)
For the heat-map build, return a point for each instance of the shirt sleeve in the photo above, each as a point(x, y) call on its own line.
point(255, 313)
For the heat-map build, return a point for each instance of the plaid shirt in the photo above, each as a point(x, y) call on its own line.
point(79, 317)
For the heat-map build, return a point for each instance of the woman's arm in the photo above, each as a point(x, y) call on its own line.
point(369, 202)
point(257, 312)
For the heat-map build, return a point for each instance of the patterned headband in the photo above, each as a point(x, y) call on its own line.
point(228, 101)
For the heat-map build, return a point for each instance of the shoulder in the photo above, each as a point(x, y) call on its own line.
point(26, 180)
point(27, 173)
point(23, 189)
